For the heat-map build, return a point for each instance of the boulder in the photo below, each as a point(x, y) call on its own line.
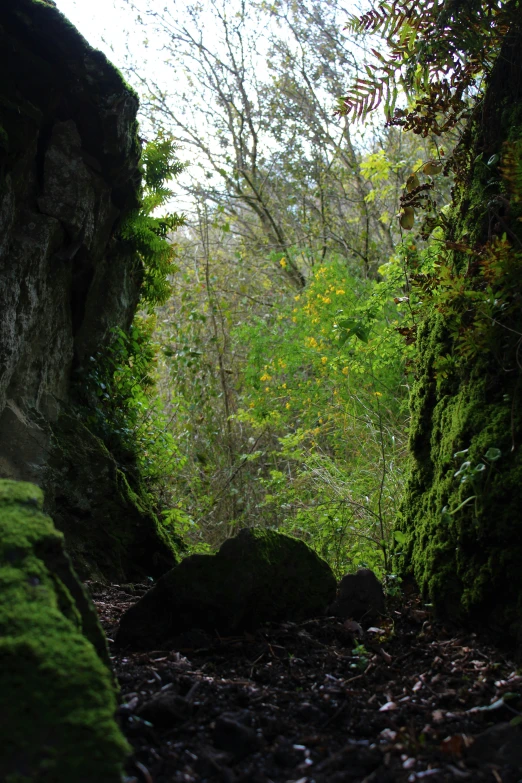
point(57, 699)
point(258, 576)
point(360, 597)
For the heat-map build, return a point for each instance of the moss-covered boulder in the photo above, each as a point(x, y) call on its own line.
point(57, 699)
point(256, 577)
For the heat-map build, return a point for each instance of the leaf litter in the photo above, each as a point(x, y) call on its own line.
point(320, 701)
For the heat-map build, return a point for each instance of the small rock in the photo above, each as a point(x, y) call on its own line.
point(285, 755)
point(360, 597)
point(234, 737)
point(165, 710)
point(309, 713)
point(500, 744)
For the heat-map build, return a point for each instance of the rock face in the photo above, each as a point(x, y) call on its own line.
point(57, 700)
point(69, 174)
point(109, 530)
point(256, 577)
point(360, 597)
point(460, 516)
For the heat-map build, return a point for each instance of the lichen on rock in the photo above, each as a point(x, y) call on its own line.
point(57, 700)
point(255, 577)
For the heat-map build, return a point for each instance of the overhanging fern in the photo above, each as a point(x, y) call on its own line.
point(148, 233)
point(435, 50)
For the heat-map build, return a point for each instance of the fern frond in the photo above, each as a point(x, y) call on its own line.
point(386, 18)
point(429, 44)
point(148, 235)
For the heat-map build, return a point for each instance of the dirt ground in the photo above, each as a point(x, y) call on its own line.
point(318, 702)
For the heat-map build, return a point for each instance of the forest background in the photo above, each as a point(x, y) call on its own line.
point(266, 379)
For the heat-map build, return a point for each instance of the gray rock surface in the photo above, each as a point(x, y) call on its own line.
point(257, 576)
point(69, 174)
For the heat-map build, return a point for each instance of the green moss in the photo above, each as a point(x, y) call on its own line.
point(464, 539)
point(467, 560)
point(57, 701)
point(23, 493)
point(464, 559)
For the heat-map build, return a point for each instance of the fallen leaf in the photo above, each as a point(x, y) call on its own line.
point(390, 705)
point(454, 744)
point(407, 218)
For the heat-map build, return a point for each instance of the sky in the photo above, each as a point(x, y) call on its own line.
point(110, 26)
point(97, 20)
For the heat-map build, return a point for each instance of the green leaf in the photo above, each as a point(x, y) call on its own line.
point(459, 454)
point(463, 469)
point(353, 326)
point(400, 537)
point(493, 454)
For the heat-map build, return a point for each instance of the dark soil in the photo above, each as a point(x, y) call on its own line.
point(316, 702)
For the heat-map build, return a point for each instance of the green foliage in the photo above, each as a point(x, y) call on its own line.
point(362, 657)
point(128, 414)
point(148, 233)
point(334, 388)
point(435, 53)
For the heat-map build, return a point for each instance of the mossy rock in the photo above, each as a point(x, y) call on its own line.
point(57, 700)
point(110, 529)
point(256, 577)
point(460, 516)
